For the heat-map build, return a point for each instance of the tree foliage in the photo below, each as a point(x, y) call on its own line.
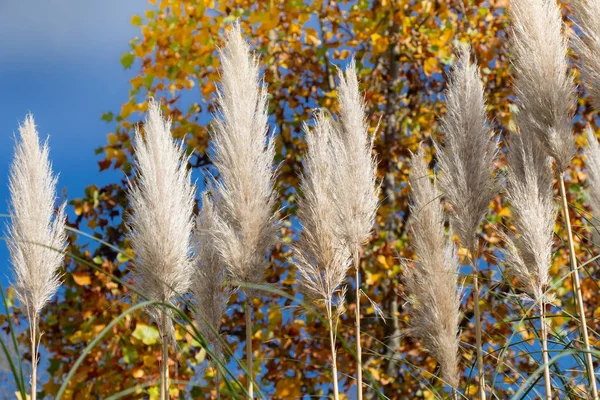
point(403, 49)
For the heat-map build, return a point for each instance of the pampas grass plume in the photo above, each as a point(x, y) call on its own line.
point(467, 159)
point(209, 287)
point(530, 193)
point(322, 255)
point(587, 45)
point(37, 236)
point(432, 282)
point(162, 203)
point(545, 90)
point(246, 225)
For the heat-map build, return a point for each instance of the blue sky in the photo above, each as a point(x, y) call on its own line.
point(60, 61)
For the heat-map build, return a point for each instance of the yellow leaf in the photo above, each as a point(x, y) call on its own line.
point(112, 139)
point(288, 389)
point(430, 66)
point(383, 261)
point(81, 278)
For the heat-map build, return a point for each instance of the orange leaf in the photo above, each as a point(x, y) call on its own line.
point(81, 278)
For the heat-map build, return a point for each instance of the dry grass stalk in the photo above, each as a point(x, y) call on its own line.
point(322, 256)
point(246, 227)
point(546, 100)
point(356, 183)
point(528, 255)
point(432, 282)
point(466, 163)
point(162, 202)
point(37, 236)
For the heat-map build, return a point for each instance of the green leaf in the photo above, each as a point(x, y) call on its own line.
point(136, 20)
point(108, 117)
point(130, 354)
point(147, 334)
point(98, 260)
point(127, 60)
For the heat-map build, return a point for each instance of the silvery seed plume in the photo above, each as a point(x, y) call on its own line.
point(356, 179)
point(587, 45)
point(528, 255)
point(432, 282)
point(247, 226)
point(545, 90)
point(321, 253)
point(162, 203)
point(467, 160)
point(37, 236)
point(593, 166)
point(210, 290)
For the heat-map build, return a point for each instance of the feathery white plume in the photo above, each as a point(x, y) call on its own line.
point(587, 17)
point(432, 282)
point(467, 160)
point(162, 202)
point(37, 236)
point(321, 253)
point(208, 284)
point(529, 191)
point(592, 154)
point(545, 90)
point(356, 172)
point(246, 227)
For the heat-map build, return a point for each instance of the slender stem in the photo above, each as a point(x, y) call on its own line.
point(164, 366)
point(248, 312)
point(34, 358)
point(358, 346)
point(478, 343)
point(577, 289)
point(544, 334)
point(336, 394)
point(218, 383)
point(455, 393)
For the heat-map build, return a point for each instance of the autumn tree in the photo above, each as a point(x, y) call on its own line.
point(403, 49)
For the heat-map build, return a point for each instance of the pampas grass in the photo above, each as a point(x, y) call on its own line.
point(211, 292)
point(37, 236)
point(466, 164)
point(162, 203)
point(546, 99)
point(432, 282)
point(545, 90)
point(246, 227)
point(592, 154)
point(322, 255)
point(587, 45)
point(356, 183)
point(528, 256)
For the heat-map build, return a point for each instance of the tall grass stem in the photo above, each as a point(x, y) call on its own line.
point(359, 392)
point(478, 341)
point(249, 367)
point(34, 359)
point(336, 394)
point(164, 367)
point(577, 290)
point(544, 334)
